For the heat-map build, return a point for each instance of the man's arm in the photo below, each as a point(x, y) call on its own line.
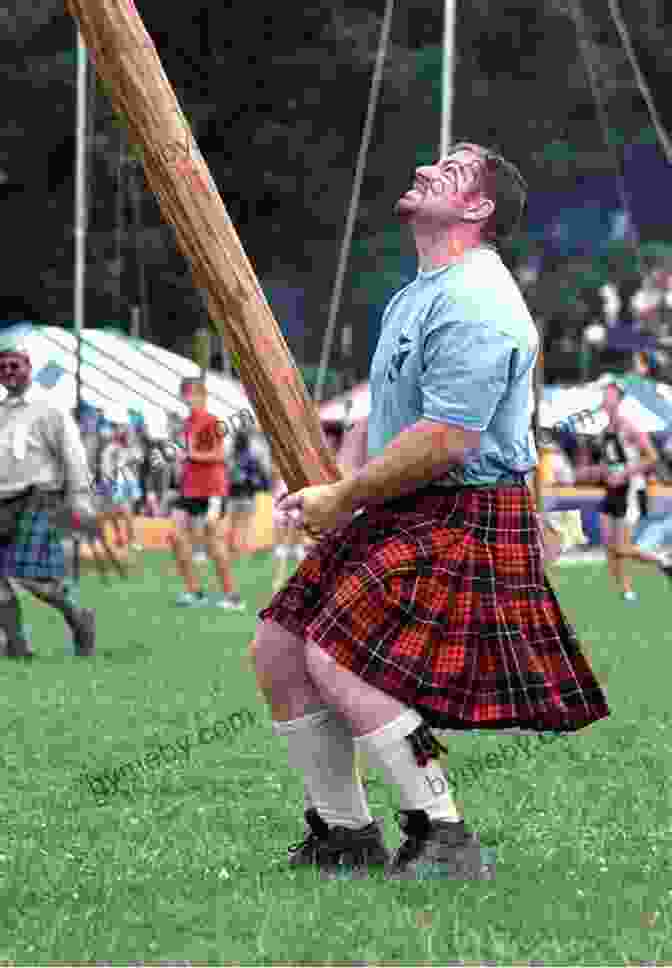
point(79, 491)
point(646, 449)
point(413, 459)
point(465, 375)
point(354, 450)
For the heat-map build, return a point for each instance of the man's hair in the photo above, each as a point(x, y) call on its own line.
point(504, 185)
point(614, 385)
point(191, 381)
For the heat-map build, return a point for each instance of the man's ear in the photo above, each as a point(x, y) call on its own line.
point(479, 210)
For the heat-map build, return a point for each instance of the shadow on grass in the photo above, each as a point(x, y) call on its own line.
point(129, 652)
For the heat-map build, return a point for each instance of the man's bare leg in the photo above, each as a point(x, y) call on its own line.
point(183, 550)
point(217, 550)
point(320, 743)
point(611, 538)
point(239, 535)
point(619, 542)
point(392, 734)
point(129, 521)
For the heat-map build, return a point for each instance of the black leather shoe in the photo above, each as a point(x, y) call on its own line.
point(84, 633)
point(19, 649)
point(338, 849)
point(438, 849)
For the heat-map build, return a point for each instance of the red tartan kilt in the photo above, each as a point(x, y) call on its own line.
point(440, 599)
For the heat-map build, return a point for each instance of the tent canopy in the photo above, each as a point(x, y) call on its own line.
point(646, 402)
point(120, 375)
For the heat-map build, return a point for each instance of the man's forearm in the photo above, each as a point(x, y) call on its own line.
point(77, 483)
point(353, 453)
point(412, 460)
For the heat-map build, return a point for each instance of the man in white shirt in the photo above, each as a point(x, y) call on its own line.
point(42, 464)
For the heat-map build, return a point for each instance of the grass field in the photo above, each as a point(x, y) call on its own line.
point(188, 865)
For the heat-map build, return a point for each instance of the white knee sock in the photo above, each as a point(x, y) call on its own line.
point(322, 747)
point(422, 787)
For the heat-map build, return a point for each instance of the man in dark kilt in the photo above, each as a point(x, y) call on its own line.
point(42, 466)
point(425, 603)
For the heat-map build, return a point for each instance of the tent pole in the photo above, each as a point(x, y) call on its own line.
point(447, 76)
point(80, 239)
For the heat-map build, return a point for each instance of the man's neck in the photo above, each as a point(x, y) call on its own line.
point(438, 251)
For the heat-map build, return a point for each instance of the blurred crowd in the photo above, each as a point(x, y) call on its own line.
point(130, 481)
point(564, 459)
point(568, 453)
point(131, 470)
point(134, 474)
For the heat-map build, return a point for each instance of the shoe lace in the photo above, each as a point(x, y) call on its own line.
point(425, 745)
point(311, 840)
point(411, 846)
point(333, 850)
point(407, 851)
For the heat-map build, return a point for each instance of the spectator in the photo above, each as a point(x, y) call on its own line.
point(561, 470)
point(118, 485)
point(250, 474)
point(204, 490)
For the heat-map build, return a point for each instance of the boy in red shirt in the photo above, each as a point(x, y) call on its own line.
point(205, 485)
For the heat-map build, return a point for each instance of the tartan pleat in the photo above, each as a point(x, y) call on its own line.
point(441, 600)
point(36, 551)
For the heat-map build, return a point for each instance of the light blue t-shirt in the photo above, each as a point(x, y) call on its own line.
point(458, 345)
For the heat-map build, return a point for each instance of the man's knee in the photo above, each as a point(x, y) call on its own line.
point(273, 649)
point(214, 540)
point(182, 537)
point(317, 658)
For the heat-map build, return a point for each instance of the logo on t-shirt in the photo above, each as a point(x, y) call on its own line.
point(399, 357)
point(206, 439)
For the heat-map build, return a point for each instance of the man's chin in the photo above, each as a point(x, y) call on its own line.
point(405, 211)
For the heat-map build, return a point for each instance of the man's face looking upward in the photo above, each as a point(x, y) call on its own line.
point(448, 192)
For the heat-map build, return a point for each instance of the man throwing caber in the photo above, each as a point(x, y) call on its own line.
point(426, 603)
point(43, 467)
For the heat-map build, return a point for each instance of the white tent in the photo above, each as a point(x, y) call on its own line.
point(646, 403)
point(162, 372)
point(117, 372)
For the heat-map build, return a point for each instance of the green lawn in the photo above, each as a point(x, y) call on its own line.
point(187, 863)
